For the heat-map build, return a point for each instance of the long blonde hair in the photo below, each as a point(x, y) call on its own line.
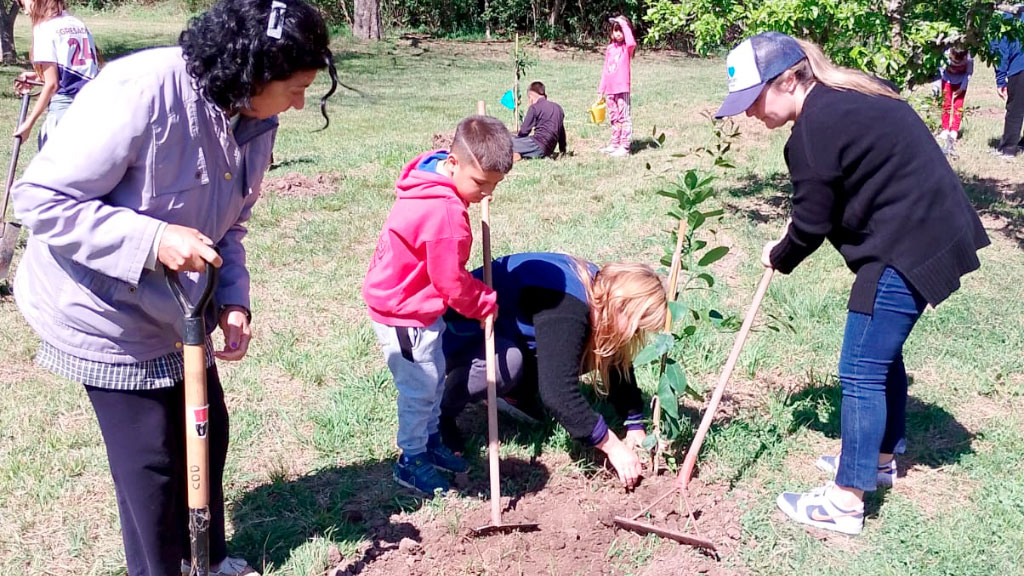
point(627, 302)
point(43, 10)
point(818, 68)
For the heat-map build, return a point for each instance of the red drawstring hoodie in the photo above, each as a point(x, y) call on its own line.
point(419, 267)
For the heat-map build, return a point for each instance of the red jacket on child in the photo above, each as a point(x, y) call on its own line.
point(419, 267)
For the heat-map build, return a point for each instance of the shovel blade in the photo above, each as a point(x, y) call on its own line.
point(504, 528)
point(8, 241)
point(645, 528)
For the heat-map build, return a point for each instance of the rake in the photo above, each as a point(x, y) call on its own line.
point(686, 472)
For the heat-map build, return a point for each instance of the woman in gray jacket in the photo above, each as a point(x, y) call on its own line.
point(157, 165)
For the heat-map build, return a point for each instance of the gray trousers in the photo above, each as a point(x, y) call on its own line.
point(416, 361)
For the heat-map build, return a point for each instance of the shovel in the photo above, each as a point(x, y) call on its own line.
point(9, 231)
point(496, 526)
point(197, 425)
point(686, 472)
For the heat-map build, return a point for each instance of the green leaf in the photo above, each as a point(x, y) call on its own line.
point(707, 278)
point(666, 193)
point(695, 219)
point(713, 255)
point(676, 378)
point(677, 309)
point(713, 213)
point(660, 345)
point(649, 442)
point(667, 395)
point(689, 330)
point(690, 179)
point(666, 260)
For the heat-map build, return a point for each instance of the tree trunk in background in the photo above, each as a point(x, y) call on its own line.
point(487, 19)
point(555, 13)
point(366, 20)
point(894, 11)
point(7, 16)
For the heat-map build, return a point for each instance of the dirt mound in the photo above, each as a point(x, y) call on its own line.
point(577, 533)
point(295, 185)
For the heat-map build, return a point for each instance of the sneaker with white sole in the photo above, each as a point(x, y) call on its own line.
point(228, 567)
point(886, 475)
point(418, 473)
point(620, 152)
point(816, 509)
point(607, 149)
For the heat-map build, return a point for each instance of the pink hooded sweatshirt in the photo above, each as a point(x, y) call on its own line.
point(615, 78)
point(419, 267)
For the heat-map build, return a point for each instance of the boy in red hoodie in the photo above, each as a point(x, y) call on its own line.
point(418, 271)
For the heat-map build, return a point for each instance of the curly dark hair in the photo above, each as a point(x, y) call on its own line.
point(231, 57)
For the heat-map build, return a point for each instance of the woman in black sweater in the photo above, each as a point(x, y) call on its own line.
point(560, 318)
point(868, 177)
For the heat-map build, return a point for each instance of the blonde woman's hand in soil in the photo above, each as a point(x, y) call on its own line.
point(623, 459)
point(234, 323)
point(184, 249)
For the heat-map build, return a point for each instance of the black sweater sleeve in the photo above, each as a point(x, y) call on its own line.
point(528, 122)
point(815, 185)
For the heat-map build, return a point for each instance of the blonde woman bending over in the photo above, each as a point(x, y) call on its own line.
point(560, 318)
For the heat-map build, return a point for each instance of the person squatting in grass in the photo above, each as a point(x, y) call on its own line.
point(179, 139)
point(868, 177)
point(561, 318)
point(615, 86)
point(546, 120)
point(419, 270)
point(64, 58)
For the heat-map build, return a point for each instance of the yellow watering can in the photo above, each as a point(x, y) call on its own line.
point(597, 111)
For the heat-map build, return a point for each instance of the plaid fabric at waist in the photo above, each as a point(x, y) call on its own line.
point(162, 372)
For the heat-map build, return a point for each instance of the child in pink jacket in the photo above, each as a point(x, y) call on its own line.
point(418, 271)
point(614, 86)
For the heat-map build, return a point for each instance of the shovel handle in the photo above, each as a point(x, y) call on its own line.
point(15, 150)
point(195, 327)
point(686, 471)
point(197, 411)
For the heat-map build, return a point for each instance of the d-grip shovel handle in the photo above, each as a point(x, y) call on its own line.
point(195, 328)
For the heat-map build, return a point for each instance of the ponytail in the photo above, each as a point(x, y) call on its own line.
point(818, 68)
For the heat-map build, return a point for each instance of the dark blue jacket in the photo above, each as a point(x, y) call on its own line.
point(1011, 57)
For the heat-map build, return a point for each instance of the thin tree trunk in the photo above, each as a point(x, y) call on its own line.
point(555, 13)
point(7, 16)
point(366, 20)
point(487, 19)
point(894, 11)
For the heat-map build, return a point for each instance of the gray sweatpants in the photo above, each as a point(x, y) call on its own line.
point(416, 360)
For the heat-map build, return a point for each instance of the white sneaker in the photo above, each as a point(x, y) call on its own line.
point(953, 135)
point(608, 149)
point(885, 476)
point(816, 509)
point(620, 152)
point(228, 567)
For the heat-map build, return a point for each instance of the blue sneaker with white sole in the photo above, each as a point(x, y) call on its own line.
point(816, 509)
point(441, 457)
point(418, 473)
point(886, 476)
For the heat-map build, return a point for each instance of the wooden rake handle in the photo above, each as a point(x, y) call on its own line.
point(686, 472)
point(492, 393)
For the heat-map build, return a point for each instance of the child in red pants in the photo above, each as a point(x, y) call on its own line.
point(954, 75)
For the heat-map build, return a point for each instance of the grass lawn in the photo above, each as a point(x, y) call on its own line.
point(312, 407)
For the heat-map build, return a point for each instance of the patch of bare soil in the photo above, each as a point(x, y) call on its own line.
point(295, 185)
point(577, 531)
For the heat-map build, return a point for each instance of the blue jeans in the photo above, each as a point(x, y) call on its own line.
point(875, 381)
point(416, 360)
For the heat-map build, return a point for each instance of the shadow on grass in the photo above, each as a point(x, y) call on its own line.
point(349, 504)
point(1001, 199)
point(760, 198)
point(934, 437)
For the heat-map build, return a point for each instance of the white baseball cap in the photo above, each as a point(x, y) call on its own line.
point(755, 62)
